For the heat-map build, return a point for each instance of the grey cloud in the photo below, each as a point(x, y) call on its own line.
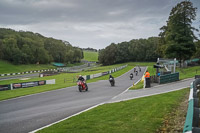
point(94, 23)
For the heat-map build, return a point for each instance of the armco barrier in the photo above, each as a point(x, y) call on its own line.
point(192, 119)
point(103, 73)
point(169, 78)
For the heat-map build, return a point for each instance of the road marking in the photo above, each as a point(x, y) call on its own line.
point(67, 117)
point(128, 87)
point(146, 95)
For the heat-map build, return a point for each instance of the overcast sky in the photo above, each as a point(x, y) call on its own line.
point(89, 23)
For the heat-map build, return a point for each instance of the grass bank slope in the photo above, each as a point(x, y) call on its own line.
point(6, 67)
point(90, 56)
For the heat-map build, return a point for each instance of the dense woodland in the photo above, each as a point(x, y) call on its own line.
point(176, 40)
point(31, 48)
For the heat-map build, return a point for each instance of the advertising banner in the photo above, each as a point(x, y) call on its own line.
point(17, 85)
point(29, 84)
point(4, 87)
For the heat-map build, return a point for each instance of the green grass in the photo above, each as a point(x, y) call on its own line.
point(90, 56)
point(189, 72)
point(142, 115)
point(62, 80)
point(6, 67)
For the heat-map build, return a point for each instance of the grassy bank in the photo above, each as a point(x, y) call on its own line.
point(90, 56)
point(62, 81)
point(6, 67)
point(143, 115)
point(189, 72)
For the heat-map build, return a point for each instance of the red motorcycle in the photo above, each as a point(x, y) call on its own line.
point(82, 86)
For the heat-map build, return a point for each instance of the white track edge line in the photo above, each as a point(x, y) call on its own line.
point(127, 88)
point(67, 118)
point(148, 95)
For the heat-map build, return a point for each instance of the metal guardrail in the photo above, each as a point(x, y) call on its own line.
point(87, 77)
point(192, 119)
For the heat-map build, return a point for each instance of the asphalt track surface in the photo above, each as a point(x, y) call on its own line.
point(25, 114)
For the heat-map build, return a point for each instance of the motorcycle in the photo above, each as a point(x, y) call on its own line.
point(82, 86)
point(136, 73)
point(112, 81)
point(131, 76)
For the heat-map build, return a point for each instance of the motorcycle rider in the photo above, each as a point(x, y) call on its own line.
point(131, 75)
point(82, 79)
point(111, 79)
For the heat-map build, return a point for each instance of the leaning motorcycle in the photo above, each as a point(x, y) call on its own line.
point(112, 81)
point(131, 76)
point(82, 86)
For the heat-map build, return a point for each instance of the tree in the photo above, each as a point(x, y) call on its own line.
point(108, 55)
point(178, 36)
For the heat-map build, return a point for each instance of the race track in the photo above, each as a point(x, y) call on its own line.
point(25, 114)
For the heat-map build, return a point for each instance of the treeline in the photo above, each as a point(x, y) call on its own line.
point(31, 48)
point(90, 49)
point(176, 40)
point(134, 50)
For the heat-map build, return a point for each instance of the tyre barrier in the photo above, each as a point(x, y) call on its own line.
point(192, 118)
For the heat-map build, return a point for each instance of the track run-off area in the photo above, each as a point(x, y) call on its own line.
point(33, 112)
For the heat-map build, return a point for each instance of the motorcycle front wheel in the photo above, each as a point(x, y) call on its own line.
point(80, 88)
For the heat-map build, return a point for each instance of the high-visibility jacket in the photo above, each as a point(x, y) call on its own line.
point(147, 75)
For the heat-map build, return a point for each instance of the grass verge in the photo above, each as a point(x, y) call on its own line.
point(142, 115)
point(6, 67)
point(189, 72)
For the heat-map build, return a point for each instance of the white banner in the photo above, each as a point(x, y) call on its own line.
point(52, 81)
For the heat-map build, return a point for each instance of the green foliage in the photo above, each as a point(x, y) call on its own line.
point(90, 55)
point(142, 115)
point(31, 48)
point(177, 38)
point(197, 54)
point(135, 50)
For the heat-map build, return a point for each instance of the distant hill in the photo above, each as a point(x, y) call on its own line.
point(90, 55)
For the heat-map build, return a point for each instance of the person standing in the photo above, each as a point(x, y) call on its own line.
point(147, 79)
point(147, 74)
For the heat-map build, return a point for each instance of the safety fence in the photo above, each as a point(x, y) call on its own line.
point(103, 73)
point(87, 77)
point(28, 72)
point(26, 84)
point(192, 119)
point(167, 78)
